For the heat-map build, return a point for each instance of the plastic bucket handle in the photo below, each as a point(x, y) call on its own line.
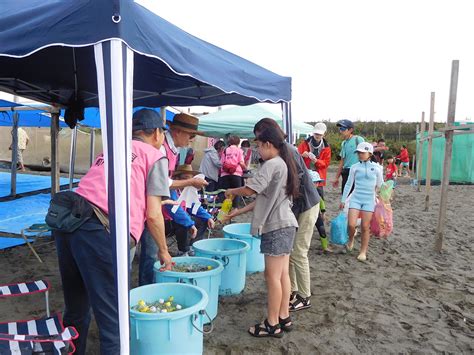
point(195, 317)
point(224, 259)
point(183, 281)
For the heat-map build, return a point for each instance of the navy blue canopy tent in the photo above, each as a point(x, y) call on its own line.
point(116, 54)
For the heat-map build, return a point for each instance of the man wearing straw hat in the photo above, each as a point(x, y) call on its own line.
point(182, 130)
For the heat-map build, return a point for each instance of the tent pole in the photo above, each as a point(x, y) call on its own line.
point(163, 113)
point(114, 67)
point(419, 166)
point(72, 157)
point(14, 154)
point(92, 150)
point(430, 153)
point(54, 153)
point(290, 123)
point(447, 156)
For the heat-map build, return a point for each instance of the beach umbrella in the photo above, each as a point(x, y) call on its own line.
point(116, 54)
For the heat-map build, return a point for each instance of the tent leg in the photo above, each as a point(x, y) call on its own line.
point(14, 154)
point(287, 121)
point(72, 157)
point(114, 65)
point(92, 150)
point(54, 153)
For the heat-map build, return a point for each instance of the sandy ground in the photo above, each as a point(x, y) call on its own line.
point(406, 299)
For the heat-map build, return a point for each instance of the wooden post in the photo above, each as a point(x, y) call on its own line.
point(447, 156)
point(14, 154)
point(92, 150)
point(54, 153)
point(430, 153)
point(419, 166)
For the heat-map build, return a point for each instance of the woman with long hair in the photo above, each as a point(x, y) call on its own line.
point(276, 183)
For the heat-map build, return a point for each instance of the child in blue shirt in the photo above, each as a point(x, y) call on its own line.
point(366, 176)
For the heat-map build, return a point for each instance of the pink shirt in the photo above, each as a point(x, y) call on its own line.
point(235, 154)
point(92, 185)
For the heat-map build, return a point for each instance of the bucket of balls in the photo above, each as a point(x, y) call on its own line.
point(167, 318)
point(201, 272)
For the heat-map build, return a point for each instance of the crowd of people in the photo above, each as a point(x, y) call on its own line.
point(288, 185)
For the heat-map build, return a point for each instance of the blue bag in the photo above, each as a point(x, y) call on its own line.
point(339, 233)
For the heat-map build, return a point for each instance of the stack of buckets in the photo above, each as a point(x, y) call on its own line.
point(181, 332)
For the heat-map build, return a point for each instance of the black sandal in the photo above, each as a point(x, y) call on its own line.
point(300, 303)
point(270, 331)
point(286, 324)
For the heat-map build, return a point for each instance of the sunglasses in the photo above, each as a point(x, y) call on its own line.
point(343, 129)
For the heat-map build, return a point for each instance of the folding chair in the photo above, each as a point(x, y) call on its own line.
point(39, 230)
point(45, 335)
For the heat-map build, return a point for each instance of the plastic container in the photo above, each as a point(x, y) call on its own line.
point(179, 332)
point(241, 231)
point(233, 255)
point(209, 281)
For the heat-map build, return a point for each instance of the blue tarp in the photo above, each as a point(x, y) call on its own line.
point(21, 213)
point(171, 67)
point(39, 118)
point(27, 183)
point(6, 243)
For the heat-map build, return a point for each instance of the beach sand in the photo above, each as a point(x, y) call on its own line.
point(406, 299)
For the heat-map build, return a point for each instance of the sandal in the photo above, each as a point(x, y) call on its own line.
point(270, 330)
point(286, 324)
point(300, 303)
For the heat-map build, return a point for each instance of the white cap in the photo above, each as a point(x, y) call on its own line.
point(319, 128)
point(365, 147)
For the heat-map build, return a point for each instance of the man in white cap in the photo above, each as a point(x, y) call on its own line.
point(316, 153)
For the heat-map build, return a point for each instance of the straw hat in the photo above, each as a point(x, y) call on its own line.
point(186, 123)
point(185, 169)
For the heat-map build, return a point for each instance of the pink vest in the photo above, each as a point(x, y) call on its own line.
point(172, 157)
point(92, 185)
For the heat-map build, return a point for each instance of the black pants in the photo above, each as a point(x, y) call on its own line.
point(86, 263)
point(183, 238)
point(230, 182)
point(213, 185)
point(320, 221)
point(345, 176)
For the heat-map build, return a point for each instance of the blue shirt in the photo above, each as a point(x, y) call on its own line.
point(348, 153)
point(366, 176)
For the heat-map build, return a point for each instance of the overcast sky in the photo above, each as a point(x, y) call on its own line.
point(357, 59)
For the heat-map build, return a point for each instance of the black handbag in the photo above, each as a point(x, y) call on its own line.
point(68, 211)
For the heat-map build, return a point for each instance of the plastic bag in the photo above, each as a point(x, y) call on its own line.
point(386, 191)
point(339, 230)
point(381, 224)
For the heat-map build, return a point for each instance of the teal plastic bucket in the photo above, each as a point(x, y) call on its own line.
point(233, 255)
point(241, 231)
point(209, 281)
point(179, 332)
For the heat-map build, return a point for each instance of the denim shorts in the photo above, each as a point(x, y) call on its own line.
point(278, 242)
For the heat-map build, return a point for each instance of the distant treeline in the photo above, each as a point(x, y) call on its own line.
point(395, 135)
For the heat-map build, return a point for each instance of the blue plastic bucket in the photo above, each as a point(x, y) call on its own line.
point(233, 255)
point(241, 231)
point(209, 281)
point(179, 332)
